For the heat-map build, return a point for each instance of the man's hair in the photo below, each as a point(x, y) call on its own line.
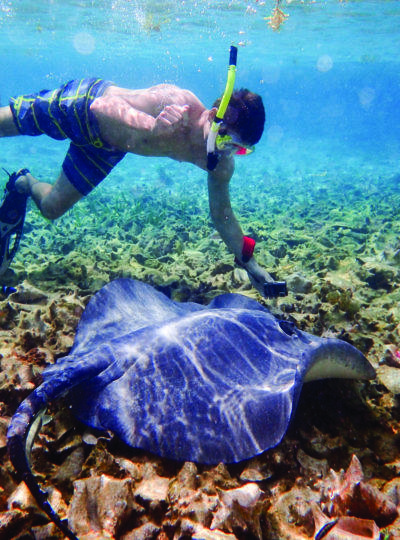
point(245, 115)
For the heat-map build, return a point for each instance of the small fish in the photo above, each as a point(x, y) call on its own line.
point(6, 291)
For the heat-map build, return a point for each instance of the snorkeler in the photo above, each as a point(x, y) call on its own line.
point(104, 122)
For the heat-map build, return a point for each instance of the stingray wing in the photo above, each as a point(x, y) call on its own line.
point(207, 385)
point(123, 306)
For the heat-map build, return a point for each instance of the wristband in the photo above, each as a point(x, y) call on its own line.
point(247, 248)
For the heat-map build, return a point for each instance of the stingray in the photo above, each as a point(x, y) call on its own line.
point(209, 384)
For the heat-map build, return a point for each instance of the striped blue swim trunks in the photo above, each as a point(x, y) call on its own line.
point(65, 113)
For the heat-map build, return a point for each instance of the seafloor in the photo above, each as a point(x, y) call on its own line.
point(335, 239)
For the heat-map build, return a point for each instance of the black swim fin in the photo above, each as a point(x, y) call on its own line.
point(12, 216)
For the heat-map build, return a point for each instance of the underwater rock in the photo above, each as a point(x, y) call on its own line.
point(392, 356)
point(195, 531)
point(13, 523)
point(222, 268)
point(147, 531)
point(101, 461)
point(188, 476)
point(190, 499)
point(279, 251)
point(101, 505)
point(4, 421)
point(292, 515)
point(332, 263)
point(335, 488)
point(344, 300)
point(42, 320)
point(392, 490)
point(22, 499)
point(9, 316)
point(380, 276)
point(239, 509)
point(312, 467)
point(240, 276)
point(396, 256)
point(321, 444)
point(368, 502)
point(246, 496)
point(26, 294)
point(256, 471)
point(201, 503)
point(71, 467)
point(297, 283)
point(218, 477)
point(153, 489)
point(348, 493)
point(390, 377)
point(134, 470)
point(343, 528)
point(196, 505)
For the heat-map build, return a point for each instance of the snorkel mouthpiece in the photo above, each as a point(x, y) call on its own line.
point(212, 155)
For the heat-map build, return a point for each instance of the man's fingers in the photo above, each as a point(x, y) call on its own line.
point(185, 115)
point(172, 115)
point(172, 112)
point(164, 119)
point(175, 113)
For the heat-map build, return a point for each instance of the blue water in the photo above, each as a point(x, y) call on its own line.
point(329, 78)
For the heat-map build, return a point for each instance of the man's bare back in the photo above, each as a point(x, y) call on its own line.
point(162, 120)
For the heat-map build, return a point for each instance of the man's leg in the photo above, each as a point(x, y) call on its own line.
point(7, 125)
point(52, 200)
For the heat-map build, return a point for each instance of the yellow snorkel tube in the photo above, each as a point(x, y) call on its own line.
point(212, 155)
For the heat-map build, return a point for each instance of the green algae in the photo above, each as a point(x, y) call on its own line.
point(343, 246)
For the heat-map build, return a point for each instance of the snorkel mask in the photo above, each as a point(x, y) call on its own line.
point(216, 141)
point(226, 142)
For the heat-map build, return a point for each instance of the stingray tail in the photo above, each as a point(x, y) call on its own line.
point(24, 426)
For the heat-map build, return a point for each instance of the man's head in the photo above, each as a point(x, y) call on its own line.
point(245, 115)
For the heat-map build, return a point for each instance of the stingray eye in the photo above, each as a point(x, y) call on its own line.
point(288, 327)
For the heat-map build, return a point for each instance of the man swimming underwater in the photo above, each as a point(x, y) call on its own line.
point(104, 122)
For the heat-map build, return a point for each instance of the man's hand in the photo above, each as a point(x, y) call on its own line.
point(171, 117)
point(259, 277)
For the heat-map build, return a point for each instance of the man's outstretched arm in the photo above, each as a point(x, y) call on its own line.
point(227, 225)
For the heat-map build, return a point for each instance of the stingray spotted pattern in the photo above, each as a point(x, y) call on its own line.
point(185, 381)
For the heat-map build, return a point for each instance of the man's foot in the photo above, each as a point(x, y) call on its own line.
point(22, 184)
point(17, 179)
point(12, 216)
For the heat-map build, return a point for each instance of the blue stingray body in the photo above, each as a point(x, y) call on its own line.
point(185, 381)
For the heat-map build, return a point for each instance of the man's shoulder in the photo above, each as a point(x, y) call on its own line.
point(165, 93)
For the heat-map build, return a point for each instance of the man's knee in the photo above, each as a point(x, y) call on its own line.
point(7, 125)
point(49, 210)
point(54, 200)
